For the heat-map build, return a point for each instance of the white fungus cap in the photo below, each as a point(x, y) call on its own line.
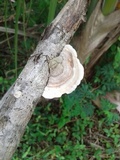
point(66, 73)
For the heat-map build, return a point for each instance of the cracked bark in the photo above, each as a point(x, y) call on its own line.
point(17, 105)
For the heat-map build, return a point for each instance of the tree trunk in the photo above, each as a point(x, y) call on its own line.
point(18, 104)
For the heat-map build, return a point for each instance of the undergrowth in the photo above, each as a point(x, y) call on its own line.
point(72, 127)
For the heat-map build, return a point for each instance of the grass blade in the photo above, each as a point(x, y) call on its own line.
point(52, 9)
point(109, 6)
point(16, 34)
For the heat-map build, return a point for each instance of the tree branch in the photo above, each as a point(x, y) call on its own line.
point(18, 104)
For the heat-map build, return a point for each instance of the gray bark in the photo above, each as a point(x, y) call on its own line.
point(18, 104)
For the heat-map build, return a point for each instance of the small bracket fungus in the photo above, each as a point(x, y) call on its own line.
point(17, 94)
point(66, 73)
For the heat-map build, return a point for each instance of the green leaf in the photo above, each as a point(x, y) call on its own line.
point(1, 80)
point(63, 121)
point(52, 9)
point(109, 6)
point(26, 153)
point(116, 62)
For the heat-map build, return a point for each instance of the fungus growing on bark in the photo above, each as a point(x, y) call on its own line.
point(66, 73)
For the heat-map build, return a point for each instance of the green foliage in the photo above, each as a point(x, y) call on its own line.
point(91, 7)
point(117, 59)
point(5, 84)
point(69, 129)
point(109, 6)
point(16, 34)
point(52, 8)
point(106, 108)
point(107, 73)
point(76, 104)
point(116, 64)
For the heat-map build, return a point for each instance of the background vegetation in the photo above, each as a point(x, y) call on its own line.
point(73, 127)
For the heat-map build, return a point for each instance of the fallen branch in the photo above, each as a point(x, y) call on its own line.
point(18, 104)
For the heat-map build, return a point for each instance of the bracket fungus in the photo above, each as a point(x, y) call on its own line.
point(66, 73)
